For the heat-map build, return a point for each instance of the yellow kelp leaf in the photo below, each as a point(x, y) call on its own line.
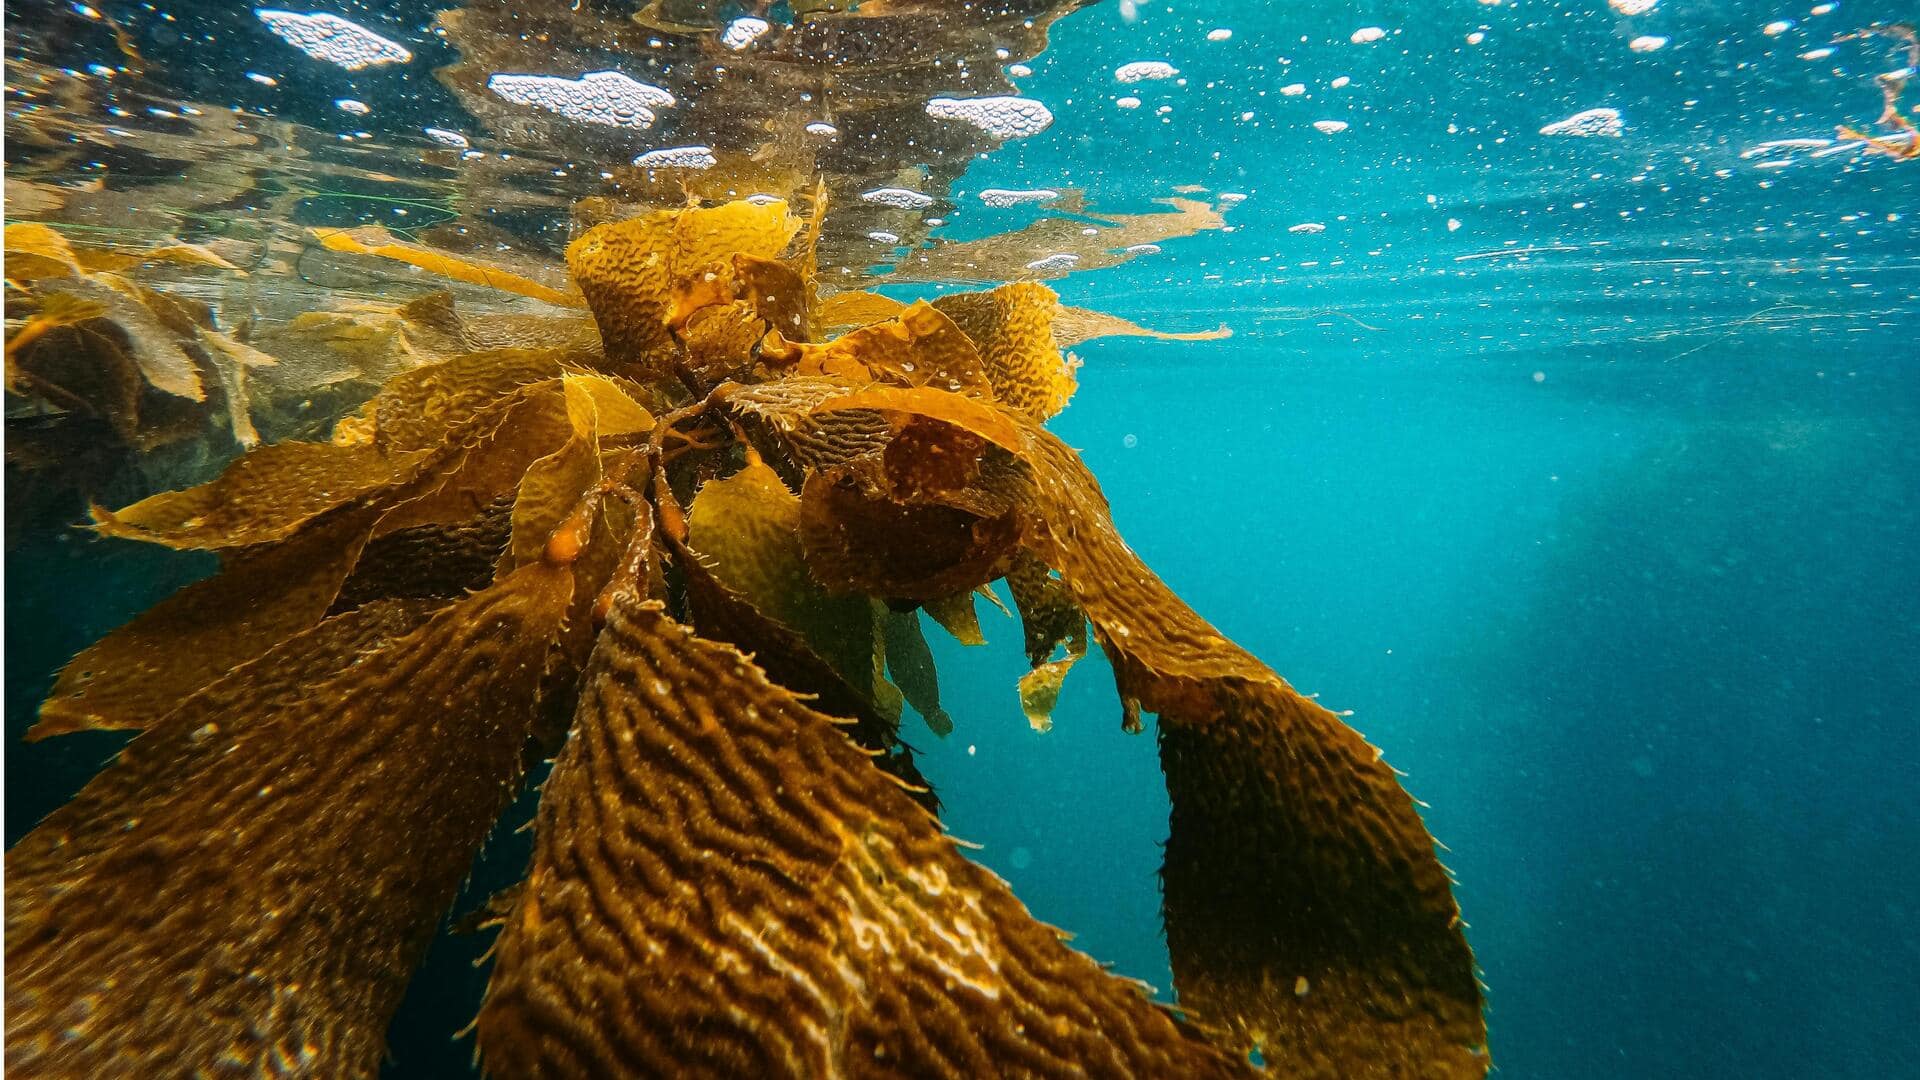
point(483, 459)
point(921, 347)
point(185, 254)
point(616, 412)
point(721, 339)
point(57, 310)
point(554, 485)
point(373, 240)
point(416, 409)
point(639, 276)
point(910, 665)
point(856, 307)
point(248, 888)
point(748, 525)
point(265, 496)
point(1013, 328)
point(1072, 325)
point(777, 292)
point(34, 250)
point(957, 616)
point(1040, 688)
point(1305, 909)
point(140, 672)
point(153, 345)
point(723, 886)
point(965, 413)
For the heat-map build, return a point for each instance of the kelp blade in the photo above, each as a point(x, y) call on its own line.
point(248, 888)
point(724, 886)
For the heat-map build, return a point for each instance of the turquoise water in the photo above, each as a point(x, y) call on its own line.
point(1582, 470)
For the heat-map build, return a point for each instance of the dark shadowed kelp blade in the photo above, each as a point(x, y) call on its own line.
point(724, 886)
point(250, 885)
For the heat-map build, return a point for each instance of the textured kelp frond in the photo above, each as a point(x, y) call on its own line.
point(140, 672)
point(1013, 326)
point(424, 425)
point(860, 540)
point(919, 347)
point(1073, 325)
point(1305, 908)
point(375, 241)
point(250, 885)
point(644, 277)
point(724, 886)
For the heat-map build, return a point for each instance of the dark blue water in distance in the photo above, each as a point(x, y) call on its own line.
point(1585, 471)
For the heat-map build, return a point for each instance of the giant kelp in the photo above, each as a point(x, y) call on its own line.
point(704, 535)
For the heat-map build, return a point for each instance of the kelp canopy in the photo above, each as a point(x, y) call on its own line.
point(679, 523)
point(691, 558)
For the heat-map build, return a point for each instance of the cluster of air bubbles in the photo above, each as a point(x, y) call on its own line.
point(743, 32)
point(1144, 70)
point(822, 128)
point(1002, 198)
point(1060, 262)
point(1633, 7)
point(333, 39)
point(1647, 43)
point(1590, 123)
point(446, 137)
point(352, 107)
point(677, 157)
point(898, 198)
point(1367, 35)
point(1330, 127)
point(1000, 117)
point(883, 237)
point(598, 97)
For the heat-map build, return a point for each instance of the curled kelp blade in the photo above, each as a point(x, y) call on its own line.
point(248, 888)
point(1305, 908)
point(723, 885)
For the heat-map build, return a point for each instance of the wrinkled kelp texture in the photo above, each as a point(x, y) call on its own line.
point(688, 558)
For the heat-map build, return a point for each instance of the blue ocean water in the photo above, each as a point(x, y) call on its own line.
point(1583, 470)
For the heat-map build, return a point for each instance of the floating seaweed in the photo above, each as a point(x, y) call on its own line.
point(689, 550)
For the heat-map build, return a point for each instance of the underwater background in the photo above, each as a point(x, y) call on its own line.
point(1583, 470)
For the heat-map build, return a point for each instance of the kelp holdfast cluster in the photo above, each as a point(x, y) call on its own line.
point(692, 563)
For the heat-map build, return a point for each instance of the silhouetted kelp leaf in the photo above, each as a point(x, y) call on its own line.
point(249, 886)
point(723, 885)
point(140, 672)
point(957, 616)
point(910, 665)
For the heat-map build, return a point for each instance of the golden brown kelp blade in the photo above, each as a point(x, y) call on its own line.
point(140, 672)
point(724, 886)
point(1305, 908)
point(248, 888)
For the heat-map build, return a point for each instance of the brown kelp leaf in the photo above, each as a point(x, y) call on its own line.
point(151, 342)
point(1049, 618)
point(721, 614)
point(910, 664)
point(552, 487)
point(857, 542)
point(721, 339)
point(1072, 325)
point(439, 561)
point(723, 885)
point(1304, 906)
point(645, 276)
point(137, 674)
point(748, 525)
point(1013, 328)
point(957, 616)
point(482, 459)
point(856, 307)
point(248, 888)
point(35, 250)
point(415, 410)
point(777, 292)
point(265, 496)
point(373, 240)
point(965, 413)
point(783, 409)
point(616, 413)
point(920, 347)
